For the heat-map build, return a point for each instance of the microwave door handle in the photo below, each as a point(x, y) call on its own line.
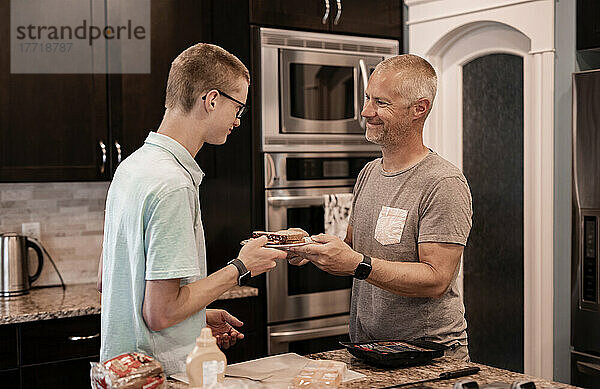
point(363, 73)
point(295, 201)
point(292, 336)
point(326, 14)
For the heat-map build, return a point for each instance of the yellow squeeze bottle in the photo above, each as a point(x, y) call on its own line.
point(206, 363)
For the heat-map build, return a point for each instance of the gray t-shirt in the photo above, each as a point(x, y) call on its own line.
point(392, 213)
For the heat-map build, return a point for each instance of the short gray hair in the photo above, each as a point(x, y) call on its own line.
point(415, 77)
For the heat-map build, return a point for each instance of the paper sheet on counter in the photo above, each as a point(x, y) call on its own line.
point(276, 371)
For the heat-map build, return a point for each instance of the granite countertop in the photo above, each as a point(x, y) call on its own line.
point(378, 378)
point(76, 300)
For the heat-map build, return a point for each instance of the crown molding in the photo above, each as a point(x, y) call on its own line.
point(415, 2)
point(474, 10)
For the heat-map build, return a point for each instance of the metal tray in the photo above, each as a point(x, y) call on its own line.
point(396, 353)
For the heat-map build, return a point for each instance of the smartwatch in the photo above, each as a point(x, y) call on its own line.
point(244, 274)
point(363, 269)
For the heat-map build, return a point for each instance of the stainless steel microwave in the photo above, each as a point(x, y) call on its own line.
point(312, 89)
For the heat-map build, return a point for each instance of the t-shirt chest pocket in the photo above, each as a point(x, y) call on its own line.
point(390, 225)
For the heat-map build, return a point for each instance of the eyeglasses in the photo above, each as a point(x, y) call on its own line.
point(241, 110)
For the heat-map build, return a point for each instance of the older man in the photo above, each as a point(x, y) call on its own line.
point(410, 221)
point(153, 269)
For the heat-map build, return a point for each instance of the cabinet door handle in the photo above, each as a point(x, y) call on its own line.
point(338, 15)
point(76, 338)
point(103, 148)
point(326, 14)
point(118, 147)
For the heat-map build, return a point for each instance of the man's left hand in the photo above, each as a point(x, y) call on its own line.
point(330, 254)
point(221, 324)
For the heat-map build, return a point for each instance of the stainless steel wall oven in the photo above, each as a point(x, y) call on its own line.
point(310, 92)
point(304, 303)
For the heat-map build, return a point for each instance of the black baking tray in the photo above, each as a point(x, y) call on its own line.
point(396, 353)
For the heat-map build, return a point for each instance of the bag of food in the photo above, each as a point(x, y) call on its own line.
point(319, 374)
point(128, 371)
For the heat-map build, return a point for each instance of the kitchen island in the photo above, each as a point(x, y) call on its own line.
point(377, 378)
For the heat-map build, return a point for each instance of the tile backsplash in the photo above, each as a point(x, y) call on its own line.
point(71, 217)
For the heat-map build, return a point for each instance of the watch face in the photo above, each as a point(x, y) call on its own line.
point(244, 278)
point(362, 271)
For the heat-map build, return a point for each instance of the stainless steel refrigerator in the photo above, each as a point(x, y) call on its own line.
point(585, 297)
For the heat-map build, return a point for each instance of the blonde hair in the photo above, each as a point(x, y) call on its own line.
point(198, 69)
point(414, 77)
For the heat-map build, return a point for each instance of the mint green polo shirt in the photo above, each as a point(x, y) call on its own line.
point(152, 231)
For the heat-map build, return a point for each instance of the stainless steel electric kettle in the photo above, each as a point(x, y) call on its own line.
point(14, 264)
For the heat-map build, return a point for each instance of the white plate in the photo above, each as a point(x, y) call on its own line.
point(307, 240)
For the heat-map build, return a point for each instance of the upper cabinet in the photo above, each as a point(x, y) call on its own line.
point(79, 127)
point(378, 18)
point(53, 127)
point(137, 101)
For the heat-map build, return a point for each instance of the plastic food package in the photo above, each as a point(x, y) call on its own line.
point(128, 371)
point(320, 374)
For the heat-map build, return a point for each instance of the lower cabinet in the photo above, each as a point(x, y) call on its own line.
point(49, 353)
point(250, 311)
point(10, 378)
point(66, 374)
point(57, 353)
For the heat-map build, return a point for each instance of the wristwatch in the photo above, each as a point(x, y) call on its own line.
point(363, 269)
point(244, 274)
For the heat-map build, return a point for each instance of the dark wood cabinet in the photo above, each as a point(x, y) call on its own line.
point(9, 357)
point(588, 24)
point(137, 101)
point(10, 378)
point(310, 14)
point(250, 311)
point(380, 18)
point(55, 340)
point(78, 127)
point(49, 353)
point(51, 125)
point(65, 374)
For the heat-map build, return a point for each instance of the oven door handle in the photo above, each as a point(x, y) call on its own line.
point(271, 171)
point(365, 78)
point(295, 201)
point(588, 368)
point(292, 336)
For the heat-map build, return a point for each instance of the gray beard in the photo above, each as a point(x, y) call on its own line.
point(386, 137)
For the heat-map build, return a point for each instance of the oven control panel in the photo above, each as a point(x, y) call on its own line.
point(589, 263)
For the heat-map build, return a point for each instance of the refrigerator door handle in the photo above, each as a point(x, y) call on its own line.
point(588, 368)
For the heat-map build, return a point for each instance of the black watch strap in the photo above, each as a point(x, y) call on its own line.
point(363, 269)
point(243, 273)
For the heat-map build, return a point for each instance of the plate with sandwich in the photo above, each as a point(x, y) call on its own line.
point(283, 239)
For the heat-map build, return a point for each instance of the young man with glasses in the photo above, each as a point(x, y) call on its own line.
point(152, 273)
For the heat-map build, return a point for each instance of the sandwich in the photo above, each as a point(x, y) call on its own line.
point(289, 236)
